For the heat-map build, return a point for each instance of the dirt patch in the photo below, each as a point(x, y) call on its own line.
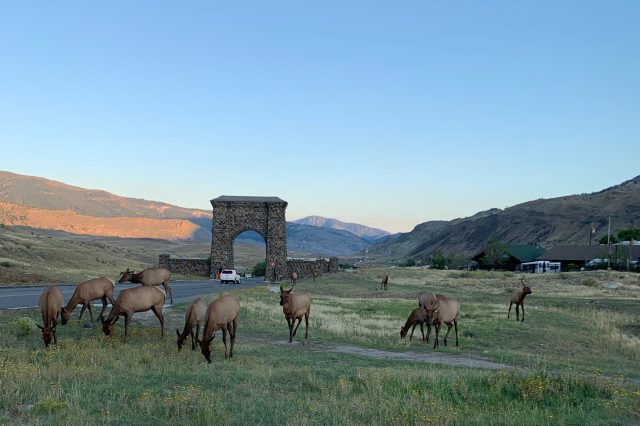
point(432, 358)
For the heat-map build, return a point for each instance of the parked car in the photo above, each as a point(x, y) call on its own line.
point(229, 276)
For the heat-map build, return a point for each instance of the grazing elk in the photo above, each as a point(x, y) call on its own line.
point(385, 282)
point(517, 298)
point(222, 314)
point(443, 310)
point(295, 306)
point(293, 277)
point(426, 299)
point(132, 300)
point(193, 317)
point(85, 293)
point(149, 277)
point(417, 316)
point(50, 304)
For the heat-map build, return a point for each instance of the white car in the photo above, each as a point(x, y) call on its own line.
point(229, 276)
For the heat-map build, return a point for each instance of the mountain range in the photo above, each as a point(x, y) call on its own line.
point(41, 203)
point(546, 222)
point(46, 204)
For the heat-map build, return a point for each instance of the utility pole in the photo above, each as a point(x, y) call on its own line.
point(609, 246)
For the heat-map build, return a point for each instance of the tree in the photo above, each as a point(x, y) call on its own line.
point(495, 254)
point(260, 269)
point(604, 240)
point(628, 234)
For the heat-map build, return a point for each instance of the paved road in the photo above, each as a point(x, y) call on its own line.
point(22, 297)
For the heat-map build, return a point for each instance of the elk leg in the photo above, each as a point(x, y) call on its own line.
point(509, 313)
point(435, 343)
point(306, 325)
point(104, 306)
point(168, 291)
point(428, 332)
point(455, 324)
point(517, 312)
point(82, 311)
point(232, 337)
point(90, 313)
point(127, 319)
point(296, 329)
point(158, 313)
point(224, 340)
point(522, 312)
point(447, 333)
point(194, 340)
point(422, 331)
point(412, 328)
point(290, 329)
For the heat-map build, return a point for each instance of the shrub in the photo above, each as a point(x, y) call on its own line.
point(260, 269)
point(6, 264)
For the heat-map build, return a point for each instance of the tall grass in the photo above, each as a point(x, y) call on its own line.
point(570, 363)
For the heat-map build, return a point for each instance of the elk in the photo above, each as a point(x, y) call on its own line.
point(85, 293)
point(443, 310)
point(50, 304)
point(295, 306)
point(131, 300)
point(517, 297)
point(193, 317)
point(293, 277)
point(417, 316)
point(222, 314)
point(149, 277)
point(426, 299)
point(385, 281)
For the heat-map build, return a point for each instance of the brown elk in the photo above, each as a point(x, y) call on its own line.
point(443, 310)
point(222, 314)
point(293, 277)
point(149, 277)
point(385, 282)
point(426, 299)
point(517, 298)
point(193, 317)
point(132, 300)
point(417, 316)
point(295, 306)
point(85, 293)
point(50, 304)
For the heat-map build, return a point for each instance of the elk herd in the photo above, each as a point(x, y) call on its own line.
point(222, 314)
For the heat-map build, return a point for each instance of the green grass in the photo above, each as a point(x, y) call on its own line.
point(573, 361)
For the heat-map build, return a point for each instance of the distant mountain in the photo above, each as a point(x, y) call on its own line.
point(365, 232)
point(46, 204)
point(547, 222)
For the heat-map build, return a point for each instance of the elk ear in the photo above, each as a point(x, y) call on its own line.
point(281, 289)
point(40, 327)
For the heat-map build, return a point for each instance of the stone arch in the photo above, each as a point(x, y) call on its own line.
point(234, 215)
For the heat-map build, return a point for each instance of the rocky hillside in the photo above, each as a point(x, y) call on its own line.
point(45, 204)
point(547, 222)
point(362, 231)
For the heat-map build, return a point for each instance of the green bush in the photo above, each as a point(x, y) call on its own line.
point(260, 270)
point(6, 264)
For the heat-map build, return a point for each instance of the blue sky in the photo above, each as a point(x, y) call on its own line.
point(387, 114)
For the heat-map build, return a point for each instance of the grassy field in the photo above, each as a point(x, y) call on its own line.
point(573, 361)
point(29, 255)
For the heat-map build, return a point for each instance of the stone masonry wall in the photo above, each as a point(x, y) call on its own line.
point(199, 267)
point(305, 268)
